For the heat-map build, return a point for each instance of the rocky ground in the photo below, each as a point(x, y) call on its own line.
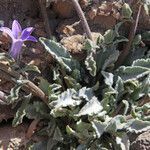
point(65, 26)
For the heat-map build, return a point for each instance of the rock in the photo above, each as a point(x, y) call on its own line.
point(142, 142)
point(17, 9)
point(64, 9)
point(13, 138)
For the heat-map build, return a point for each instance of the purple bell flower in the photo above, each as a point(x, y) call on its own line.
point(18, 37)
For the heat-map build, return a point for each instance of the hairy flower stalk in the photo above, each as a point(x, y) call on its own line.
point(18, 37)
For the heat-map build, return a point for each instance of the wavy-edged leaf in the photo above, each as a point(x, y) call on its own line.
point(111, 59)
point(137, 126)
point(109, 36)
point(137, 39)
point(93, 107)
point(72, 83)
point(126, 11)
point(37, 110)
point(116, 123)
point(44, 85)
point(142, 63)
point(138, 69)
point(91, 64)
point(14, 92)
point(108, 78)
point(66, 99)
point(60, 54)
point(86, 93)
point(99, 127)
point(31, 68)
point(21, 112)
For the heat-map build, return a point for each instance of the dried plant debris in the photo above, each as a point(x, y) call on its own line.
point(13, 138)
point(83, 102)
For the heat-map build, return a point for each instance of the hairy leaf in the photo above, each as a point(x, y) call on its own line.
point(21, 112)
point(91, 64)
point(138, 69)
point(93, 107)
point(137, 126)
point(66, 99)
point(126, 11)
point(60, 53)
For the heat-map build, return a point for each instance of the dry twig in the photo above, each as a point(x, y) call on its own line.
point(42, 4)
point(132, 33)
point(81, 15)
point(32, 128)
point(10, 75)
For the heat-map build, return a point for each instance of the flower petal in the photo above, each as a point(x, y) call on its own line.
point(8, 31)
point(16, 49)
point(26, 33)
point(31, 38)
point(16, 29)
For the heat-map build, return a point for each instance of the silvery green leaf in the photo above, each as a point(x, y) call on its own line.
point(116, 123)
point(70, 131)
point(59, 112)
point(91, 64)
point(37, 110)
point(66, 99)
point(44, 85)
point(111, 59)
point(21, 112)
point(142, 63)
point(60, 54)
point(137, 39)
point(146, 36)
point(147, 2)
point(80, 126)
point(86, 93)
point(137, 126)
point(53, 91)
point(39, 145)
point(83, 129)
point(81, 147)
point(120, 39)
point(126, 103)
point(31, 68)
point(108, 78)
point(90, 45)
point(126, 11)
point(57, 134)
point(72, 83)
point(137, 53)
point(146, 86)
point(99, 127)
point(50, 144)
point(119, 144)
point(101, 57)
point(56, 74)
point(146, 8)
point(109, 101)
point(93, 107)
point(48, 2)
point(138, 69)
point(109, 36)
point(119, 87)
point(6, 57)
point(14, 92)
point(117, 26)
